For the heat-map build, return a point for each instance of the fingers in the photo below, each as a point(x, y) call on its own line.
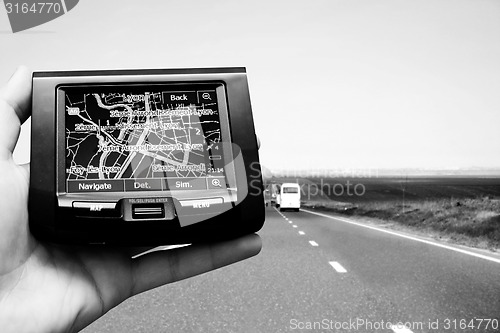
point(159, 268)
point(26, 170)
point(17, 93)
point(15, 108)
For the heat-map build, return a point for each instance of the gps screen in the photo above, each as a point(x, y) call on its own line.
point(127, 138)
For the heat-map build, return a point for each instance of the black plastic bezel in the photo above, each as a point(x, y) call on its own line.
point(49, 221)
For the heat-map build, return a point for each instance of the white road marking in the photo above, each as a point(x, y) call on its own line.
point(399, 329)
point(478, 255)
point(301, 233)
point(294, 226)
point(313, 243)
point(290, 222)
point(338, 267)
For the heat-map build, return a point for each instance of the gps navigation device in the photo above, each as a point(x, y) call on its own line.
point(143, 157)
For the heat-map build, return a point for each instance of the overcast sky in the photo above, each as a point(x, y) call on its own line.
point(334, 83)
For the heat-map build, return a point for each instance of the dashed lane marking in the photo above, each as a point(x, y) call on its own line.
point(399, 329)
point(338, 267)
point(470, 253)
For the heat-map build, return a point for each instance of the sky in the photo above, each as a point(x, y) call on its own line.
point(334, 84)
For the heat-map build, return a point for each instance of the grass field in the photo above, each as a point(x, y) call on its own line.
point(462, 210)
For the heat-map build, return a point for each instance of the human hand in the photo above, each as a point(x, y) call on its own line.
point(53, 288)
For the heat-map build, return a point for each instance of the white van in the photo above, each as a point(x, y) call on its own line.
point(290, 196)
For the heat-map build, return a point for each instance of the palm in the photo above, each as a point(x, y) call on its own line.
point(75, 287)
point(51, 288)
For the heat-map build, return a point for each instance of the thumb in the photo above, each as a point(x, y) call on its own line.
point(15, 108)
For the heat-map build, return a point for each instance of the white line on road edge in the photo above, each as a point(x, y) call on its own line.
point(294, 226)
point(290, 222)
point(399, 329)
point(301, 233)
point(338, 267)
point(313, 243)
point(478, 255)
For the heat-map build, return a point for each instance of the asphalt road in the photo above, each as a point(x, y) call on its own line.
point(317, 274)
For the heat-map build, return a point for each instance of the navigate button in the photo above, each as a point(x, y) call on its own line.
point(111, 185)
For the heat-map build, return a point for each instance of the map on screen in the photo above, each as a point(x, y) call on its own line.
point(133, 138)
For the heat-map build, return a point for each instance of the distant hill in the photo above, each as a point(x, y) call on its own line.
point(374, 173)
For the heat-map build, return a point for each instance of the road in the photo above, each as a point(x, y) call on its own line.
point(318, 274)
